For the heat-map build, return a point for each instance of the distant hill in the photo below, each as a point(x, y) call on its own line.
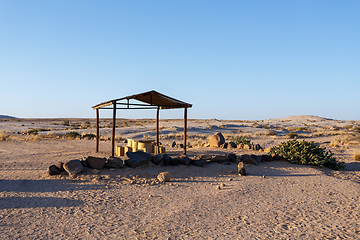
point(6, 117)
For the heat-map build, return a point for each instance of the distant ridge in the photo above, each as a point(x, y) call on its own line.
point(6, 117)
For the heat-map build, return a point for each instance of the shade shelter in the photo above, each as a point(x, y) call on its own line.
point(148, 100)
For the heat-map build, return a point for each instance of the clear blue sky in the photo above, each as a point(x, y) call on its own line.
point(230, 59)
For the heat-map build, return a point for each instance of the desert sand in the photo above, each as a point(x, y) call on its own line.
point(276, 200)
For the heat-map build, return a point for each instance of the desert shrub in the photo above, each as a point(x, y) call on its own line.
point(291, 135)
point(3, 136)
point(306, 153)
point(301, 129)
point(239, 139)
point(89, 136)
point(357, 129)
point(270, 133)
point(356, 155)
point(33, 131)
point(66, 123)
point(72, 135)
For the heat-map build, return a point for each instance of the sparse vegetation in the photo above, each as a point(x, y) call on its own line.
point(306, 153)
point(88, 136)
point(239, 139)
point(292, 135)
point(72, 135)
point(32, 131)
point(3, 136)
point(356, 155)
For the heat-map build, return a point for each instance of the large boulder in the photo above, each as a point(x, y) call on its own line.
point(114, 162)
point(216, 140)
point(184, 160)
point(73, 167)
point(95, 162)
point(161, 159)
point(54, 170)
point(136, 159)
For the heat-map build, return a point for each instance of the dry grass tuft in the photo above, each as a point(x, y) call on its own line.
point(3, 136)
point(356, 155)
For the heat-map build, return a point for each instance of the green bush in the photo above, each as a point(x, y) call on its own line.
point(306, 153)
point(72, 135)
point(237, 140)
point(291, 135)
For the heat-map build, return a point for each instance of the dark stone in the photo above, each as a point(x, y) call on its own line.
point(114, 162)
point(242, 172)
point(220, 158)
point(60, 166)
point(54, 170)
point(198, 162)
point(173, 144)
point(94, 162)
point(137, 159)
point(232, 157)
point(250, 159)
point(266, 158)
point(232, 145)
point(276, 157)
point(174, 162)
point(216, 140)
point(181, 145)
point(73, 167)
point(161, 159)
point(257, 147)
point(184, 160)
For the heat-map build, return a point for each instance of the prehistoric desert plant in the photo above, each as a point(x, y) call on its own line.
point(237, 140)
point(356, 155)
point(306, 153)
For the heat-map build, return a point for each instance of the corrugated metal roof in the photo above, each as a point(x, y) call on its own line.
point(151, 98)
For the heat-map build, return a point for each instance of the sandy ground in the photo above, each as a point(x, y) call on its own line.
point(291, 202)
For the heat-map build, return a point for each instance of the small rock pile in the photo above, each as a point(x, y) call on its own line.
point(218, 140)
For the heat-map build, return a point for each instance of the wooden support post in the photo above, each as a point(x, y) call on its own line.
point(157, 125)
point(97, 130)
point(113, 130)
point(185, 128)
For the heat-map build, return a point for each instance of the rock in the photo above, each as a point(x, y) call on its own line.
point(73, 167)
point(246, 147)
point(95, 162)
point(198, 162)
point(241, 169)
point(95, 171)
point(206, 157)
point(173, 162)
point(250, 159)
point(225, 145)
point(241, 145)
point(54, 170)
point(257, 147)
point(232, 157)
point(173, 144)
point(242, 172)
point(181, 145)
point(184, 160)
point(137, 159)
point(232, 145)
point(161, 159)
point(216, 140)
point(266, 158)
point(220, 158)
point(276, 157)
point(60, 166)
point(164, 177)
point(114, 162)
